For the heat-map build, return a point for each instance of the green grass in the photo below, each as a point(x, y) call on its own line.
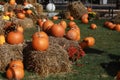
point(101, 61)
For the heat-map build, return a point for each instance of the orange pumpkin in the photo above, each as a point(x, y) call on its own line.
point(89, 9)
point(87, 42)
point(71, 23)
point(40, 22)
point(106, 23)
point(12, 2)
point(72, 34)
point(2, 39)
point(40, 34)
point(20, 29)
point(71, 18)
point(47, 25)
point(16, 73)
point(84, 16)
point(40, 44)
point(15, 37)
point(85, 21)
point(93, 26)
point(118, 76)
point(117, 27)
point(16, 63)
point(110, 25)
point(57, 30)
point(29, 11)
point(21, 15)
point(55, 17)
point(63, 24)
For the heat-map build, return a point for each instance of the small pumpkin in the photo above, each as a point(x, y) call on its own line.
point(12, 2)
point(57, 30)
point(47, 25)
point(20, 28)
point(85, 21)
point(16, 73)
point(71, 18)
point(63, 24)
point(71, 23)
point(72, 34)
point(15, 37)
point(85, 16)
point(17, 63)
point(21, 15)
point(2, 39)
point(89, 9)
point(55, 17)
point(110, 25)
point(93, 26)
point(29, 12)
point(117, 27)
point(87, 42)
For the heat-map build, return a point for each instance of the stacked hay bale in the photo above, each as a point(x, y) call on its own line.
point(77, 9)
point(52, 61)
point(9, 52)
point(116, 19)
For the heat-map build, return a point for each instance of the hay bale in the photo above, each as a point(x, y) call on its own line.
point(52, 61)
point(26, 23)
point(67, 14)
point(116, 19)
point(8, 52)
point(38, 7)
point(77, 9)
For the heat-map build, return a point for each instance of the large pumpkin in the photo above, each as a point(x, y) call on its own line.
point(40, 34)
point(40, 44)
point(15, 37)
point(57, 30)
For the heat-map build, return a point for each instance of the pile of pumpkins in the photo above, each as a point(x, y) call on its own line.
point(112, 26)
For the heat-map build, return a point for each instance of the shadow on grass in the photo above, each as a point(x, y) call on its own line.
point(112, 67)
point(3, 75)
point(93, 51)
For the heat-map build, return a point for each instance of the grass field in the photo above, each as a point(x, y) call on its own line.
point(101, 61)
